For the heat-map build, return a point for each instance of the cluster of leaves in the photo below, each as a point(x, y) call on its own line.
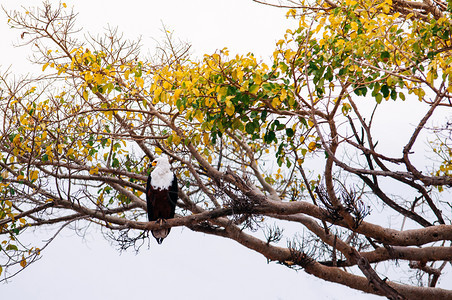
point(372, 50)
point(224, 95)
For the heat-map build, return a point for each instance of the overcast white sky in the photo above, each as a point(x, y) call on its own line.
point(187, 265)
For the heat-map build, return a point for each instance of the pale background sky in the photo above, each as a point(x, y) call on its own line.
point(187, 265)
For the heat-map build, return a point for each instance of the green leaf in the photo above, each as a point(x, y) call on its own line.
point(303, 121)
point(280, 161)
point(12, 247)
point(393, 95)
point(254, 89)
point(115, 163)
point(269, 137)
point(249, 128)
point(378, 98)
point(385, 56)
point(385, 91)
point(278, 125)
point(290, 132)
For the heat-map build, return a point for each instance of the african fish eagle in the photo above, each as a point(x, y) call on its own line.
point(161, 196)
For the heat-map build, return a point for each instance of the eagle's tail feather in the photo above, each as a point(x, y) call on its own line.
point(160, 234)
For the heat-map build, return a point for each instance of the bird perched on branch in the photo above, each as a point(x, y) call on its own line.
point(161, 196)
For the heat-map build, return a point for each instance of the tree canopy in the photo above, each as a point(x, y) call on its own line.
point(252, 142)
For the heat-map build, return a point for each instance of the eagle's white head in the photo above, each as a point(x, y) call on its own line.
point(161, 176)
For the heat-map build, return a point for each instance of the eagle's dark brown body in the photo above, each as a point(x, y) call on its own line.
point(161, 205)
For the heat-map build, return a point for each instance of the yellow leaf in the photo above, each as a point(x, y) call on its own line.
point(45, 66)
point(257, 79)
point(88, 76)
point(430, 77)
point(291, 13)
point(23, 121)
point(34, 175)
point(240, 74)
point(70, 151)
point(177, 93)
point(199, 116)
point(228, 99)
point(98, 78)
point(312, 146)
point(276, 102)
point(157, 91)
point(94, 170)
point(140, 82)
point(23, 262)
point(64, 5)
point(16, 139)
point(230, 109)
point(175, 139)
point(283, 94)
point(158, 151)
point(222, 92)
point(126, 74)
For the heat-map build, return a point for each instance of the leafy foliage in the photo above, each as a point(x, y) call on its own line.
point(76, 142)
